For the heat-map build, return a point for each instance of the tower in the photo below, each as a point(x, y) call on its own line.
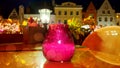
point(90, 14)
point(21, 14)
point(53, 2)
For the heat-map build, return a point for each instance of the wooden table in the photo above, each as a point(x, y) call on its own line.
point(32, 57)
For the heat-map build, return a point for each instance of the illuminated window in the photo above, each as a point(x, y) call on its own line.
point(77, 13)
point(59, 12)
point(111, 19)
point(106, 19)
point(118, 23)
point(65, 21)
point(65, 13)
point(108, 12)
point(103, 12)
point(100, 19)
point(71, 13)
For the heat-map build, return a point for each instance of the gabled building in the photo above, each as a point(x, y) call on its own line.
point(13, 14)
point(68, 10)
point(90, 13)
point(106, 14)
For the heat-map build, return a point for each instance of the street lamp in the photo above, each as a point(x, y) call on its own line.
point(45, 16)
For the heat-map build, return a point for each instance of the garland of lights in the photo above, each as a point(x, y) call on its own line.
point(8, 27)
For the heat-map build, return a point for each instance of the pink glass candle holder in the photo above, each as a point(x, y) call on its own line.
point(58, 44)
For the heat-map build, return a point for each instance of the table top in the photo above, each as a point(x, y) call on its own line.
point(82, 58)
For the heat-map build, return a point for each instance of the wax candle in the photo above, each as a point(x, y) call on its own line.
point(58, 44)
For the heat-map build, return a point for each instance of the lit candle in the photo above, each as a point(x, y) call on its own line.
point(58, 44)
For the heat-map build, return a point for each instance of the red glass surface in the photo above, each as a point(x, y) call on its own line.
point(58, 44)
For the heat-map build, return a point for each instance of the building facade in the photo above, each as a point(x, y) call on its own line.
point(118, 19)
point(106, 15)
point(68, 10)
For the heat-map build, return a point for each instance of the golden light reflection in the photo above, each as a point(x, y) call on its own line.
point(113, 33)
point(104, 45)
point(35, 59)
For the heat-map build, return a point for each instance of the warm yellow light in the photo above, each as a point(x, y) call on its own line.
point(45, 15)
point(24, 23)
point(10, 20)
point(69, 20)
point(117, 16)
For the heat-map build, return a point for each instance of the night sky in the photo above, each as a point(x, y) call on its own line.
point(6, 6)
